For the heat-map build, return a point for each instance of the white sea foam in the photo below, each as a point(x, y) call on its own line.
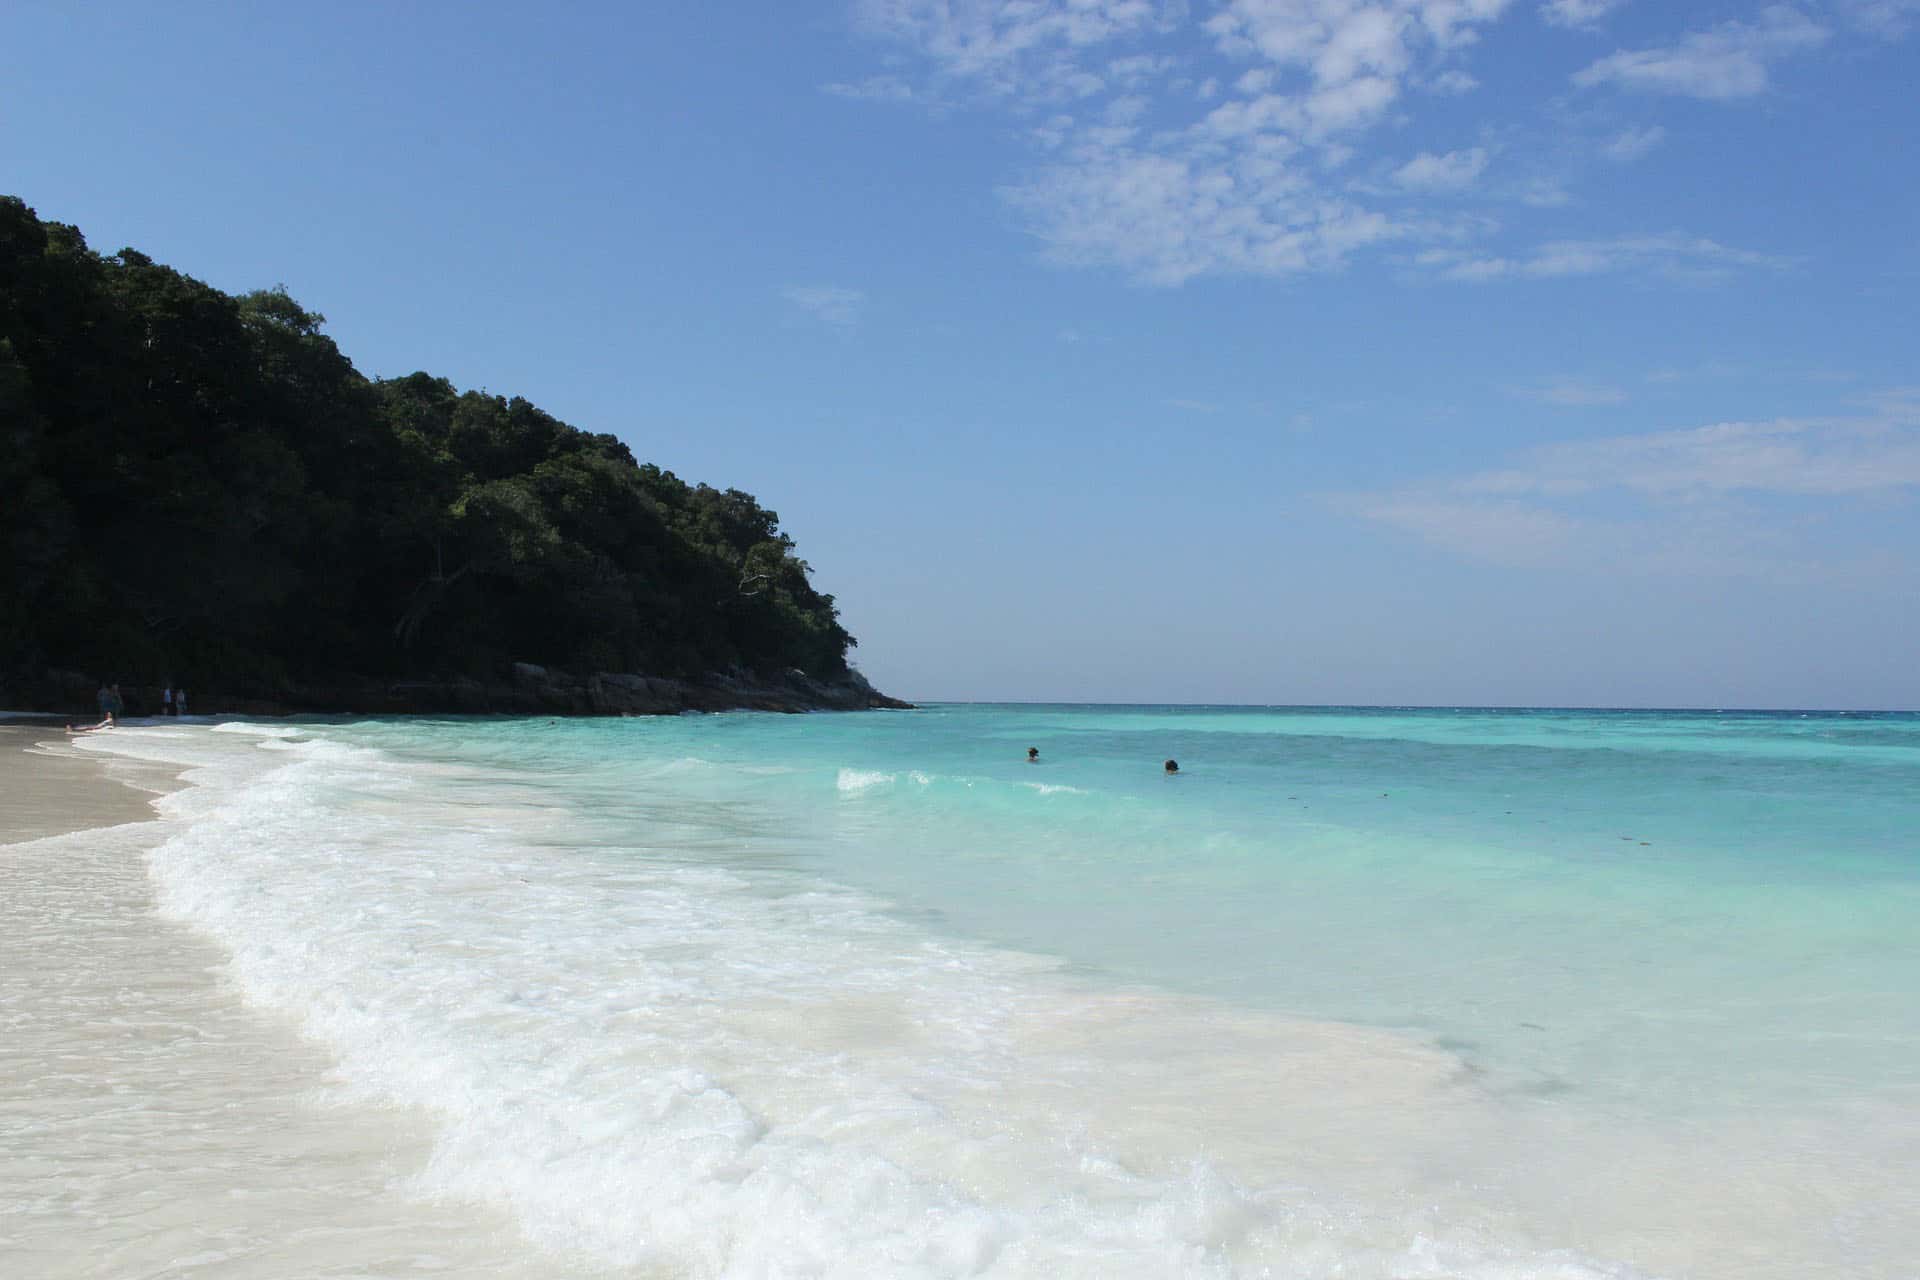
point(253, 729)
point(857, 780)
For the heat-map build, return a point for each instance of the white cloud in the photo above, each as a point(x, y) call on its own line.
point(1673, 255)
point(1336, 154)
point(1170, 158)
point(1711, 369)
point(1341, 40)
point(1889, 19)
point(1728, 62)
point(834, 306)
point(1028, 47)
point(1544, 193)
point(1237, 190)
point(1577, 13)
point(873, 89)
point(1699, 500)
point(1831, 457)
point(1508, 533)
point(1633, 143)
point(1238, 187)
point(1573, 394)
point(1454, 171)
point(1165, 219)
point(1139, 70)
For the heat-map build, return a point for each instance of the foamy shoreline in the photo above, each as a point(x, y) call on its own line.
point(150, 1122)
point(460, 987)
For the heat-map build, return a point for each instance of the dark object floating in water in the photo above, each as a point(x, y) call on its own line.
point(1171, 766)
point(1551, 1087)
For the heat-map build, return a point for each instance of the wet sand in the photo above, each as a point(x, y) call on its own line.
point(48, 788)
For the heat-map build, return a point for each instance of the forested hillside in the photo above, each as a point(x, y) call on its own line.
point(201, 487)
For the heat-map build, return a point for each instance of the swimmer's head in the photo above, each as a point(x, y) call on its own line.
point(1033, 753)
point(1172, 766)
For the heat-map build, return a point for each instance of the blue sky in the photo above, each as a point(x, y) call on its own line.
point(1435, 351)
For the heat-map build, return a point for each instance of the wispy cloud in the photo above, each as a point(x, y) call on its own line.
point(1703, 499)
point(834, 306)
point(1165, 219)
point(874, 89)
point(1889, 19)
point(1631, 144)
point(1172, 141)
point(1029, 49)
point(1236, 184)
point(1727, 62)
point(1713, 369)
point(1543, 193)
point(1508, 533)
point(1577, 13)
point(1829, 457)
point(1454, 171)
point(1571, 393)
point(1672, 255)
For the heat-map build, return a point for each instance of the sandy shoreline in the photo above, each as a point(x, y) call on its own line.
point(50, 787)
point(154, 1123)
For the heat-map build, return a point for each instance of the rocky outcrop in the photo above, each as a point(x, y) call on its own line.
point(527, 689)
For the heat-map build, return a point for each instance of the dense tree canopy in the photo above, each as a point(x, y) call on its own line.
point(196, 483)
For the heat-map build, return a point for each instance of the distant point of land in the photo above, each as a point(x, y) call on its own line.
point(203, 492)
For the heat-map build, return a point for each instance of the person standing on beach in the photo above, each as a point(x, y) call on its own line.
point(166, 700)
point(116, 705)
point(103, 699)
point(179, 702)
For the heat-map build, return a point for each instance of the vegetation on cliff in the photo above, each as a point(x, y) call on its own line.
point(202, 487)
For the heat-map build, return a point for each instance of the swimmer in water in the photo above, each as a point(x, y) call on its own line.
point(1033, 755)
point(1172, 766)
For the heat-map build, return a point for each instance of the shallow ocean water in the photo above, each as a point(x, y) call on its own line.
point(1357, 993)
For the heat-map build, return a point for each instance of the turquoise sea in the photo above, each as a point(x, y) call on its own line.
point(1360, 992)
